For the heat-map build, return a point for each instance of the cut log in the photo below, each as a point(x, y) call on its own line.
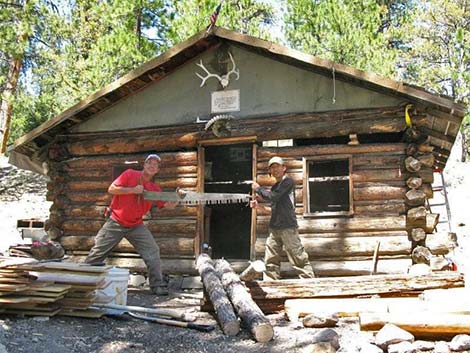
point(421, 325)
point(415, 197)
point(411, 149)
point(418, 234)
point(414, 182)
point(427, 188)
point(416, 217)
point(213, 286)
point(352, 286)
point(254, 271)
point(412, 164)
point(427, 160)
point(432, 219)
point(246, 308)
point(425, 148)
point(343, 307)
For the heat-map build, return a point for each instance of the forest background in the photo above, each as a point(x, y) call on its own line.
point(53, 53)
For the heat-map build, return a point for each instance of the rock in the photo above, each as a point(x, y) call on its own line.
point(370, 348)
point(460, 343)
point(327, 335)
point(423, 345)
point(320, 347)
point(318, 321)
point(390, 334)
point(3, 349)
point(441, 347)
point(402, 347)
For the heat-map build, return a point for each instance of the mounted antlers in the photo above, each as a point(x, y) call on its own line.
point(224, 79)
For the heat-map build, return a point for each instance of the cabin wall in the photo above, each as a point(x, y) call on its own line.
point(381, 222)
point(391, 182)
point(79, 186)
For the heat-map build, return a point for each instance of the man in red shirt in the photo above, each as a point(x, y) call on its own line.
point(128, 208)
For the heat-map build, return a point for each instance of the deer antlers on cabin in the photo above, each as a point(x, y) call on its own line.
point(224, 79)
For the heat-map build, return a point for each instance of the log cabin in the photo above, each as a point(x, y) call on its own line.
point(361, 148)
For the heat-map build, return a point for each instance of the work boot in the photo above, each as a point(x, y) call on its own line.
point(160, 290)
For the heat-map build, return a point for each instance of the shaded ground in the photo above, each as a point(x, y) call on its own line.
point(61, 334)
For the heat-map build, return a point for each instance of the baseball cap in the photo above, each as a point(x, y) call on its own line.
point(277, 160)
point(153, 156)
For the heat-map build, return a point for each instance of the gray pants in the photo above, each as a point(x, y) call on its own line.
point(289, 238)
point(141, 239)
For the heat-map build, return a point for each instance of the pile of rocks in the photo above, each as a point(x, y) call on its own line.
point(16, 182)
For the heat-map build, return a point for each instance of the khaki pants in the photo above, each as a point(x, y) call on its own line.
point(141, 239)
point(289, 238)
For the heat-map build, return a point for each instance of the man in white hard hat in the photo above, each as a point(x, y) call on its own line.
point(283, 227)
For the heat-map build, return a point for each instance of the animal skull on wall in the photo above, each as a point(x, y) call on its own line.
point(224, 79)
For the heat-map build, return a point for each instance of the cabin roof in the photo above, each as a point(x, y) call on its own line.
point(443, 109)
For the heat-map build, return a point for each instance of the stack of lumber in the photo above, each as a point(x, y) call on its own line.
point(29, 287)
point(270, 296)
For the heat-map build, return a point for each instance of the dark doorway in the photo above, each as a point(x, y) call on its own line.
point(228, 226)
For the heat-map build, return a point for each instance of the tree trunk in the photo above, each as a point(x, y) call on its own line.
point(254, 271)
point(212, 284)
point(246, 308)
point(8, 94)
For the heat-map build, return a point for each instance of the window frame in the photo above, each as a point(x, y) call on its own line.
point(306, 186)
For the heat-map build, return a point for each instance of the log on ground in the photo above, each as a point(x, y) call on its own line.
point(213, 286)
point(246, 308)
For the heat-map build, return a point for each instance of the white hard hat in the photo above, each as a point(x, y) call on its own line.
point(277, 160)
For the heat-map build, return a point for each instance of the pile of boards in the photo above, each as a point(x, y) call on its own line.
point(30, 287)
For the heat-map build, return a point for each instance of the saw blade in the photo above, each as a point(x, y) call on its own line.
point(196, 198)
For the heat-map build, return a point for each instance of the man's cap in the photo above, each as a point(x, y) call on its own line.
point(153, 156)
point(277, 160)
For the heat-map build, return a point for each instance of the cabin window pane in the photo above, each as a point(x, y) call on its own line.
point(328, 187)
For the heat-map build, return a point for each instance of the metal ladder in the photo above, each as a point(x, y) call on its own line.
point(441, 187)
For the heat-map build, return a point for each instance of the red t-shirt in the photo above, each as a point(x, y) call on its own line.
point(128, 209)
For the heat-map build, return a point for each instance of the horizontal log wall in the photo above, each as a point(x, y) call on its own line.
point(79, 186)
point(379, 213)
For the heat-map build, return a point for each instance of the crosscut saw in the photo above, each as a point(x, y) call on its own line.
point(196, 198)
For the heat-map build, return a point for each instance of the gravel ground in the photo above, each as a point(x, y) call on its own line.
point(61, 334)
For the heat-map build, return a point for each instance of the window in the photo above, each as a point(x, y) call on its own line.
point(328, 186)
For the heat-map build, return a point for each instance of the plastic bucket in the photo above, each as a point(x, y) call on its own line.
point(114, 290)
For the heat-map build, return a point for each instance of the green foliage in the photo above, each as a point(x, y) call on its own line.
point(439, 57)
point(245, 16)
point(360, 33)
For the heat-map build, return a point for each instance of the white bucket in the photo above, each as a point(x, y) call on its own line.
point(114, 290)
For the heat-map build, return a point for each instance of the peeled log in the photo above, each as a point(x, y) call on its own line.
point(432, 219)
point(419, 324)
point(412, 164)
point(246, 308)
point(427, 188)
point(416, 217)
point(352, 286)
point(222, 306)
point(415, 197)
point(427, 160)
point(418, 234)
point(414, 182)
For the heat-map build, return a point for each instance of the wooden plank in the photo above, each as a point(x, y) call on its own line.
point(420, 325)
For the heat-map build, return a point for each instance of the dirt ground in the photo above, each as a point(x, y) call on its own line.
point(62, 334)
